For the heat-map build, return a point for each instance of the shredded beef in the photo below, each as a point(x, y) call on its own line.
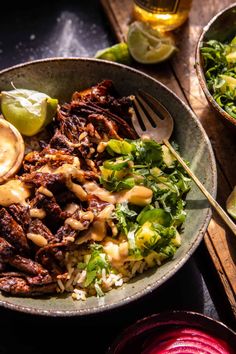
point(13, 232)
point(17, 285)
point(37, 227)
point(21, 214)
point(93, 115)
point(6, 250)
point(53, 182)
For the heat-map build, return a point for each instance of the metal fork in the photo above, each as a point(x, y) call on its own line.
point(159, 127)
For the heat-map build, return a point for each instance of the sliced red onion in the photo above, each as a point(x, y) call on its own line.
point(186, 341)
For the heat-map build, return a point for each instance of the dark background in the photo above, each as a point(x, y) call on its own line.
point(34, 30)
point(37, 30)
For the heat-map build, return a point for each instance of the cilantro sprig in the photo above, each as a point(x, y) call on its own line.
point(97, 262)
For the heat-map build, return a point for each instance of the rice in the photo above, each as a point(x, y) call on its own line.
point(79, 294)
point(60, 285)
point(73, 281)
point(79, 283)
point(80, 278)
point(135, 267)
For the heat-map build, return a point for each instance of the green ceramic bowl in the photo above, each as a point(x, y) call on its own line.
point(59, 78)
point(221, 27)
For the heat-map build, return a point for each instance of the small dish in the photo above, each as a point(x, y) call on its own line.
point(11, 150)
point(159, 328)
point(221, 27)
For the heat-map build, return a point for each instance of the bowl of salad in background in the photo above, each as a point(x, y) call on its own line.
point(60, 78)
point(216, 62)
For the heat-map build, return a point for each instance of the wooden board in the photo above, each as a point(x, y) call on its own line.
point(179, 75)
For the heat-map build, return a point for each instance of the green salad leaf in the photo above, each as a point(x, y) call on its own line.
point(122, 147)
point(152, 227)
point(124, 216)
point(159, 216)
point(147, 152)
point(97, 262)
point(220, 72)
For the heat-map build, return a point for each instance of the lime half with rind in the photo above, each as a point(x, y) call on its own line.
point(118, 53)
point(231, 204)
point(28, 110)
point(147, 45)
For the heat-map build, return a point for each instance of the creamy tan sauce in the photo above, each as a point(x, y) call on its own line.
point(87, 215)
point(75, 224)
point(13, 192)
point(138, 195)
point(117, 253)
point(77, 190)
point(102, 146)
point(98, 230)
point(78, 225)
point(68, 170)
point(45, 191)
point(8, 150)
point(37, 239)
point(105, 214)
point(37, 213)
point(101, 193)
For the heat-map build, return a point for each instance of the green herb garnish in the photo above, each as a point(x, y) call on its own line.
point(150, 228)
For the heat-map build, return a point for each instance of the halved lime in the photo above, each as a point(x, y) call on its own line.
point(231, 203)
point(118, 52)
point(29, 111)
point(147, 45)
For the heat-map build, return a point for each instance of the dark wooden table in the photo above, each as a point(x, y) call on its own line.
point(207, 282)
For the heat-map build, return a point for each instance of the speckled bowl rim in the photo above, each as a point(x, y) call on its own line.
point(104, 308)
point(200, 72)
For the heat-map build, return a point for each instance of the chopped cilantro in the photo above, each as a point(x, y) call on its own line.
point(97, 262)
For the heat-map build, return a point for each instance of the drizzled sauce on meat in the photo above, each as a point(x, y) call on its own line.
point(13, 192)
point(55, 204)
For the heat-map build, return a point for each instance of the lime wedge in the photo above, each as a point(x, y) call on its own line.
point(231, 204)
point(118, 52)
point(147, 45)
point(29, 111)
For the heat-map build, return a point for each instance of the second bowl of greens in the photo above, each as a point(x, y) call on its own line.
point(216, 63)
